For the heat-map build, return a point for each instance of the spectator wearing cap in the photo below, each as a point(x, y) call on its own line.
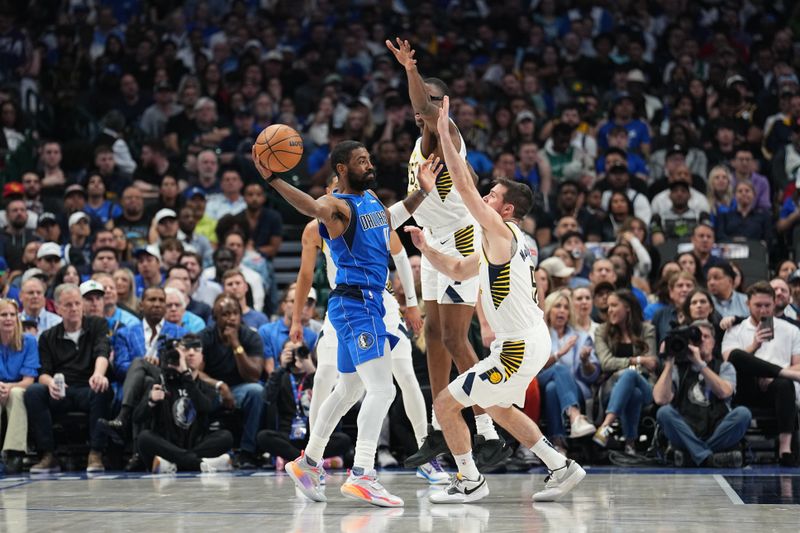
point(674, 219)
point(235, 284)
point(624, 114)
point(32, 297)
point(679, 138)
point(164, 226)
point(154, 167)
point(78, 348)
point(16, 235)
point(745, 220)
point(101, 210)
point(155, 117)
point(744, 168)
point(93, 292)
point(727, 301)
point(275, 334)
point(230, 201)
point(133, 220)
point(47, 227)
point(560, 274)
point(636, 81)
point(619, 180)
point(48, 259)
point(678, 171)
point(532, 168)
point(148, 266)
point(54, 179)
point(618, 146)
point(78, 251)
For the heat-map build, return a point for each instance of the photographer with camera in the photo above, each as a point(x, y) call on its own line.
point(766, 354)
point(288, 399)
point(177, 407)
point(695, 392)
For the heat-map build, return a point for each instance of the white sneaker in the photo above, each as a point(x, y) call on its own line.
point(461, 490)
point(386, 459)
point(222, 463)
point(434, 473)
point(368, 489)
point(581, 428)
point(162, 466)
point(559, 482)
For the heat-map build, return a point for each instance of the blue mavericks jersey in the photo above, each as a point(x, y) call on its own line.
point(361, 253)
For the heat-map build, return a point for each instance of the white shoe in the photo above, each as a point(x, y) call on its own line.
point(433, 473)
point(581, 428)
point(386, 459)
point(368, 489)
point(162, 466)
point(461, 490)
point(222, 463)
point(559, 482)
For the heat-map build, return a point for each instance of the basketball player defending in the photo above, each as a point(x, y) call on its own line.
point(327, 345)
point(522, 343)
point(449, 303)
point(356, 226)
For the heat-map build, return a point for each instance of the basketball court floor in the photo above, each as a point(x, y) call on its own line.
point(609, 499)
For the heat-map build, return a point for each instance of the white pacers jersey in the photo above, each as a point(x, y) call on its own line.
point(443, 210)
point(508, 292)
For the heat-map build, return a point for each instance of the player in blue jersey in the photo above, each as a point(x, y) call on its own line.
point(355, 226)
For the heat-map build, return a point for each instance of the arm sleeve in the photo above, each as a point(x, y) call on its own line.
point(406, 275)
point(398, 214)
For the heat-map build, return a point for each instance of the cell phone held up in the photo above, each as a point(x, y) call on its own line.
point(768, 322)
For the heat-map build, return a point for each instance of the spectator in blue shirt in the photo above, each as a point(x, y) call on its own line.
point(99, 209)
point(19, 367)
point(727, 301)
point(275, 333)
point(623, 115)
point(746, 220)
point(233, 283)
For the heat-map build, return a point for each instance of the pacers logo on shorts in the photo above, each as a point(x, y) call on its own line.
point(365, 341)
point(493, 376)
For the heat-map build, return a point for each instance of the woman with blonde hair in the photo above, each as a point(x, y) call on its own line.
point(126, 290)
point(19, 367)
point(582, 304)
point(571, 370)
point(720, 191)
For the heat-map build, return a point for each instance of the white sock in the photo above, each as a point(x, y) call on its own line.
point(485, 427)
point(549, 455)
point(466, 466)
point(434, 422)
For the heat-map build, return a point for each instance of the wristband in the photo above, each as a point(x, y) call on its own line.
point(218, 385)
point(271, 178)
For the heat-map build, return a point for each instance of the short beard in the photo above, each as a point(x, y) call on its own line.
point(363, 183)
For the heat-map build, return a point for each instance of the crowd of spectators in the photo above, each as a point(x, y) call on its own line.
point(642, 127)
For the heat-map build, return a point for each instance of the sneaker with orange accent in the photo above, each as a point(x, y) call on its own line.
point(306, 478)
point(367, 488)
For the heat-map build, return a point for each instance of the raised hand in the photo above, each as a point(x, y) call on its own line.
point(403, 53)
point(264, 171)
point(428, 171)
point(443, 122)
point(417, 237)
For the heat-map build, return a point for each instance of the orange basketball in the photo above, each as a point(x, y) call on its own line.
point(279, 148)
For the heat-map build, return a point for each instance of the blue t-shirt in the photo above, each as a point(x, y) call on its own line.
point(17, 364)
point(638, 134)
point(531, 178)
point(100, 216)
point(274, 336)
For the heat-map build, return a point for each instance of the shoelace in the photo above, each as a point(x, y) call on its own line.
point(550, 473)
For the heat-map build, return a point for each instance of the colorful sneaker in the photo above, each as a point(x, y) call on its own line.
point(367, 488)
point(162, 466)
point(581, 428)
point(434, 473)
point(222, 463)
point(306, 478)
point(560, 481)
point(461, 490)
point(602, 435)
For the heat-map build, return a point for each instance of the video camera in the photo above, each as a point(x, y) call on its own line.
point(677, 341)
point(301, 352)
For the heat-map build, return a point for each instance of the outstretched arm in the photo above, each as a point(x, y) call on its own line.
point(462, 180)
point(427, 173)
point(417, 91)
point(325, 208)
point(456, 268)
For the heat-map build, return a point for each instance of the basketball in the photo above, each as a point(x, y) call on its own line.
point(279, 148)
